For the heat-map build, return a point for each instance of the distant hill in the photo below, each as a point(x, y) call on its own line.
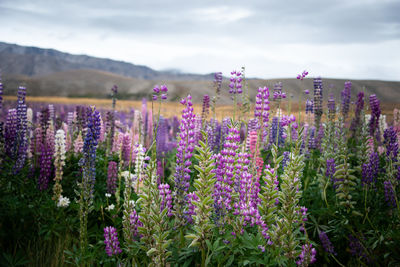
point(48, 72)
point(33, 61)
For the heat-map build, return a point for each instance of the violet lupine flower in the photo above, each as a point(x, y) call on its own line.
point(10, 132)
point(261, 110)
point(161, 138)
point(206, 106)
point(111, 241)
point(326, 243)
point(370, 171)
point(309, 106)
point(390, 142)
point(126, 150)
point(389, 194)
point(160, 92)
point(331, 107)
point(81, 117)
point(248, 200)
point(218, 82)
point(307, 92)
point(307, 255)
point(184, 153)
point(166, 198)
point(375, 114)
point(330, 170)
point(21, 140)
point(89, 150)
point(317, 101)
point(235, 86)
point(45, 160)
point(302, 75)
point(114, 91)
point(359, 107)
point(134, 221)
point(191, 198)
point(285, 159)
point(278, 94)
point(346, 95)
point(112, 174)
point(356, 249)
point(274, 132)
point(225, 168)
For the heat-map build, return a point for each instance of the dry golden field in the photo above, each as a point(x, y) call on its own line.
point(169, 109)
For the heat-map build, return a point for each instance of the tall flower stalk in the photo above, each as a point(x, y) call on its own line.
point(185, 149)
point(88, 163)
point(59, 163)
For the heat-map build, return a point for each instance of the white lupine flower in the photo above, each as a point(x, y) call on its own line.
point(108, 195)
point(59, 144)
point(139, 162)
point(126, 175)
point(29, 115)
point(111, 207)
point(59, 162)
point(63, 202)
point(132, 203)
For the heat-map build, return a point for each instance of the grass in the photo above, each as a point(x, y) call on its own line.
point(170, 109)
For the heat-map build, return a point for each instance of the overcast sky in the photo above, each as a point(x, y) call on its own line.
point(355, 39)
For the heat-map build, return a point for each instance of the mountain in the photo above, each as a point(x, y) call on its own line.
point(33, 61)
point(47, 72)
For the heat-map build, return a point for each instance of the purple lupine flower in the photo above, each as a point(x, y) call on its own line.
point(317, 100)
point(81, 117)
point(235, 85)
point(111, 241)
point(114, 91)
point(206, 106)
point(346, 95)
point(166, 198)
point(10, 132)
point(331, 108)
point(134, 222)
point(330, 169)
point(1, 94)
point(359, 107)
point(112, 174)
point(309, 106)
point(375, 114)
point(126, 149)
point(285, 159)
point(21, 140)
point(307, 92)
point(390, 142)
point(218, 82)
point(307, 255)
point(370, 171)
point(191, 207)
point(184, 154)
point(89, 150)
point(161, 138)
point(326, 243)
point(278, 95)
point(160, 92)
point(274, 132)
point(389, 194)
point(225, 168)
point(356, 249)
point(261, 110)
point(302, 75)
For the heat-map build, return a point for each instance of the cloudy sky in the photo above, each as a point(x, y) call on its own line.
point(355, 39)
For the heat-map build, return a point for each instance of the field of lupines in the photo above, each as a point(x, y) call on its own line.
point(86, 187)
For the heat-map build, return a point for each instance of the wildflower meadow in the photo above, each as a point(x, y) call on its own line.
point(266, 186)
